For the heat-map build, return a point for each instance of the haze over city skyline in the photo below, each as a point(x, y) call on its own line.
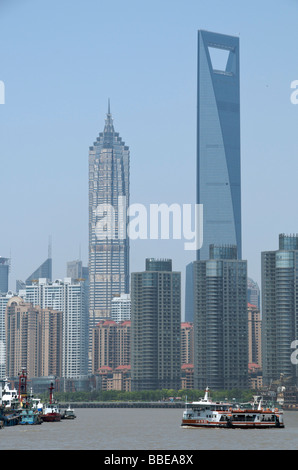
point(61, 62)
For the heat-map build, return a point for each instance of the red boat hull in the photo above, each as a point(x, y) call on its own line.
point(50, 417)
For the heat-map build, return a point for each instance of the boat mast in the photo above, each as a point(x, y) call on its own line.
point(22, 385)
point(51, 392)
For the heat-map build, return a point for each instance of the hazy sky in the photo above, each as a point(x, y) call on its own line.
point(60, 61)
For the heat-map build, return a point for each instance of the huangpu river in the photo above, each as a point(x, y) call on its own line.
point(110, 429)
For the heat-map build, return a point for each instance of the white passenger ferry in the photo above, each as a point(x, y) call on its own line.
point(209, 414)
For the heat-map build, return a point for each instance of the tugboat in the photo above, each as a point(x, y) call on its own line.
point(51, 411)
point(9, 417)
point(28, 412)
point(68, 414)
point(208, 414)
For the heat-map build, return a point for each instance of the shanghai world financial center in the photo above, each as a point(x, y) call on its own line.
point(218, 278)
point(218, 140)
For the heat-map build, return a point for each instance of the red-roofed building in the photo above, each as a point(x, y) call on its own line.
point(110, 345)
point(115, 379)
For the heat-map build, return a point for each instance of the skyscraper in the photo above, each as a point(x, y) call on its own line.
point(43, 271)
point(254, 335)
point(220, 320)
point(76, 270)
point(155, 327)
point(218, 148)
point(4, 271)
point(4, 298)
point(121, 308)
point(280, 310)
point(218, 140)
point(108, 203)
point(253, 292)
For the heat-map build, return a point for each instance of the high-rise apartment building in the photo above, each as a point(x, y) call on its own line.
point(110, 345)
point(155, 324)
point(187, 343)
point(218, 140)
point(279, 310)
point(220, 320)
point(4, 272)
point(67, 296)
point(121, 308)
point(254, 335)
point(33, 339)
point(108, 220)
point(4, 298)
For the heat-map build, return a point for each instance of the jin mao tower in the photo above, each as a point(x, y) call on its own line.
point(108, 202)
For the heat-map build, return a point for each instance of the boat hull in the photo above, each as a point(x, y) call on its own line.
point(9, 418)
point(51, 417)
point(230, 424)
point(68, 417)
point(30, 419)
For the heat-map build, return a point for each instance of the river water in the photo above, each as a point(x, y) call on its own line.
point(143, 429)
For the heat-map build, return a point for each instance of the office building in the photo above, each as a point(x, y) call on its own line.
point(67, 296)
point(220, 321)
point(108, 220)
point(279, 310)
point(76, 270)
point(218, 148)
point(155, 324)
point(4, 272)
point(253, 293)
point(218, 140)
point(43, 271)
point(33, 339)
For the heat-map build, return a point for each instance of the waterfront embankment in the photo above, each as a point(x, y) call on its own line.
point(122, 404)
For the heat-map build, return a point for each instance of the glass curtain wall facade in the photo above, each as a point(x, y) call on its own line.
point(280, 310)
point(44, 271)
point(4, 272)
point(218, 140)
point(109, 160)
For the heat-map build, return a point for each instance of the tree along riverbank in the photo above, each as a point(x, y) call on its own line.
point(167, 397)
